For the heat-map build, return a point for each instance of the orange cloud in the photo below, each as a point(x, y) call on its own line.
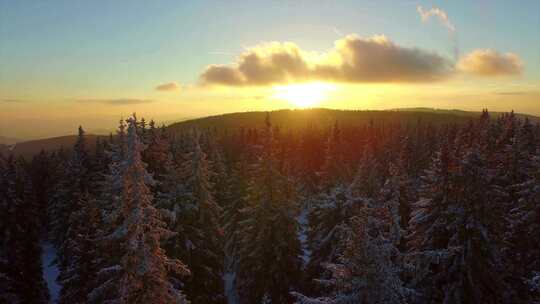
point(487, 62)
point(170, 86)
point(353, 59)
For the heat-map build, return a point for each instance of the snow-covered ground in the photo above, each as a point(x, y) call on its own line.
point(50, 270)
point(302, 220)
point(230, 288)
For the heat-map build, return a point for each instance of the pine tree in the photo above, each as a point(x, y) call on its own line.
point(134, 269)
point(204, 255)
point(21, 274)
point(368, 270)
point(522, 255)
point(9, 201)
point(454, 248)
point(74, 181)
point(329, 215)
point(109, 201)
point(78, 273)
point(156, 154)
point(145, 267)
point(269, 262)
point(397, 195)
point(367, 179)
point(232, 218)
point(333, 170)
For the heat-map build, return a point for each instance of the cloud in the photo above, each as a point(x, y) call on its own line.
point(12, 100)
point(118, 101)
point(512, 93)
point(487, 62)
point(436, 12)
point(353, 59)
point(442, 16)
point(170, 86)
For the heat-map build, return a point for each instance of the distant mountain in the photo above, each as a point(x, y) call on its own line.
point(33, 147)
point(285, 119)
point(8, 140)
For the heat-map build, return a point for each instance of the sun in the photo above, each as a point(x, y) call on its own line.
point(303, 95)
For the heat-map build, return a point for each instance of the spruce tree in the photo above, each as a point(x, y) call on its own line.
point(138, 269)
point(78, 273)
point(368, 270)
point(74, 181)
point(20, 266)
point(145, 267)
point(107, 261)
point(204, 253)
point(329, 215)
point(454, 247)
point(269, 265)
point(232, 217)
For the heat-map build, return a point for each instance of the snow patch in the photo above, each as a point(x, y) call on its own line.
point(230, 287)
point(303, 224)
point(50, 270)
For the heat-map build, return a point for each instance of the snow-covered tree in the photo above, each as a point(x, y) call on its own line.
point(145, 266)
point(142, 272)
point(333, 170)
point(202, 247)
point(21, 274)
point(329, 214)
point(74, 181)
point(232, 217)
point(109, 201)
point(455, 252)
point(78, 272)
point(9, 202)
point(368, 270)
point(269, 265)
point(523, 182)
point(367, 179)
point(156, 154)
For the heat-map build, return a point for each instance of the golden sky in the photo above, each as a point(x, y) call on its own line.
point(63, 63)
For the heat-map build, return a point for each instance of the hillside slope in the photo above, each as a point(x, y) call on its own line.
point(33, 147)
point(321, 118)
point(285, 119)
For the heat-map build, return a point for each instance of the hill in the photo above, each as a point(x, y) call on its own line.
point(33, 147)
point(8, 140)
point(285, 119)
point(324, 118)
point(466, 113)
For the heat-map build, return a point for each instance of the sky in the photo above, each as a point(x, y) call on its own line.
point(65, 63)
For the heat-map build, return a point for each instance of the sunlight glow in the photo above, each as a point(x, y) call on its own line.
point(303, 95)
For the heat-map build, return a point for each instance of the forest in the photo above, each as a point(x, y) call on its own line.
point(383, 211)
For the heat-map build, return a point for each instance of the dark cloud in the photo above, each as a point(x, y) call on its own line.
point(353, 59)
point(118, 101)
point(488, 63)
point(167, 87)
point(378, 59)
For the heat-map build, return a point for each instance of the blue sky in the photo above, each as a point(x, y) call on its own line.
point(55, 51)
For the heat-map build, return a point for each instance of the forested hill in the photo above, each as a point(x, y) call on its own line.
point(322, 119)
point(30, 148)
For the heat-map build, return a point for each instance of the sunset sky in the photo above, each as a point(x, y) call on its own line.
point(65, 63)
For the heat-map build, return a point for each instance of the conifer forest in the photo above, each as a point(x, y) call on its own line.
point(420, 213)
